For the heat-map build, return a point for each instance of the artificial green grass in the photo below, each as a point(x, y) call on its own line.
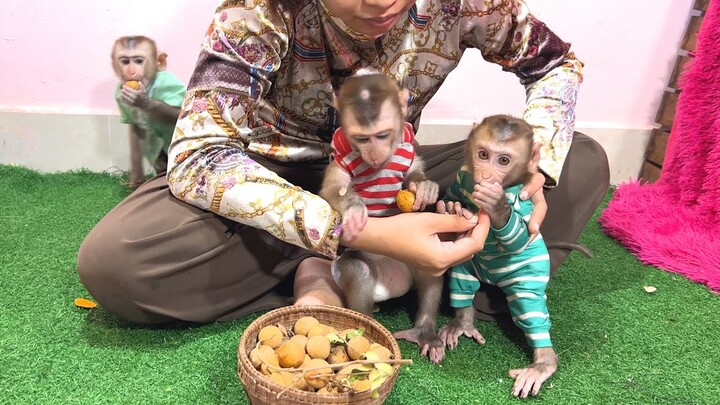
point(617, 343)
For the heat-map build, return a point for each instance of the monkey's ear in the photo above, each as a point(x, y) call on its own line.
point(162, 61)
point(404, 100)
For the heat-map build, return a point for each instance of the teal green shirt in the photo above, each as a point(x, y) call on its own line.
point(166, 88)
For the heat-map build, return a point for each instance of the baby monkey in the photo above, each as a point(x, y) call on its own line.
point(373, 159)
point(500, 157)
point(149, 99)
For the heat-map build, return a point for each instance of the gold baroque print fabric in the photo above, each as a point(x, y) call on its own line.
point(264, 84)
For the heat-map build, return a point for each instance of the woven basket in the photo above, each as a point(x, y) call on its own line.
point(261, 390)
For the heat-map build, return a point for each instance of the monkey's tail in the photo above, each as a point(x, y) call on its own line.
point(556, 244)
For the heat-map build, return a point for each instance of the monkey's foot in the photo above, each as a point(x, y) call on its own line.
point(528, 380)
point(425, 337)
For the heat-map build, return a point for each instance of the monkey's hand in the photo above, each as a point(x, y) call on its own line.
point(491, 198)
point(354, 220)
point(461, 325)
point(528, 380)
point(454, 208)
point(426, 193)
point(136, 98)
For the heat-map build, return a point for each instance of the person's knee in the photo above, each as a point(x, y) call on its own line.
point(592, 155)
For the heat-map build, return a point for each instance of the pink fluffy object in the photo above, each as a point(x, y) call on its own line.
point(674, 224)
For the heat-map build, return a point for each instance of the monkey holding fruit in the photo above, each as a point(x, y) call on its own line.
point(500, 156)
point(374, 160)
point(149, 99)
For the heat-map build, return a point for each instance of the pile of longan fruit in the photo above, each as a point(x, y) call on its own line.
point(308, 357)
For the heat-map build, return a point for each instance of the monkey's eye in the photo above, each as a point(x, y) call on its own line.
point(383, 135)
point(362, 139)
point(504, 160)
point(139, 61)
point(124, 61)
point(482, 154)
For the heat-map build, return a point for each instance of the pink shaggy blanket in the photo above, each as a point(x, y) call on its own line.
point(674, 224)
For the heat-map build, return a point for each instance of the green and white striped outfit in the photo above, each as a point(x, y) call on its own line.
point(520, 269)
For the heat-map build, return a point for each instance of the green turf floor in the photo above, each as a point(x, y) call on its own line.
point(617, 343)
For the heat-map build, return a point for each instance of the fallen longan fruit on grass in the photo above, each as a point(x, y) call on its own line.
point(405, 200)
point(133, 84)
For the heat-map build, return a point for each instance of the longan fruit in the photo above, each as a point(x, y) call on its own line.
point(357, 346)
point(301, 339)
point(318, 330)
point(303, 325)
point(268, 359)
point(318, 347)
point(271, 335)
point(283, 378)
point(257, 354)
point(337, 355)
point(383, 352)
point(405, 200)
point(290, 354)
point(305, 361)
point(320, 377)
point(133, 84)
point(360, 385)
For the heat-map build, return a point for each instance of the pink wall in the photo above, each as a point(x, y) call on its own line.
point(56, 55)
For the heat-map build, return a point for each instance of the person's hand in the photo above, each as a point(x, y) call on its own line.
point(424, 240)
point(136, 98)
point(534, 189)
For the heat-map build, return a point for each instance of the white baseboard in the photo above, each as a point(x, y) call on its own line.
point(50, 142)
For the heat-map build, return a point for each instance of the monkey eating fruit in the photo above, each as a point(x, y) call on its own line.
point(133, 84)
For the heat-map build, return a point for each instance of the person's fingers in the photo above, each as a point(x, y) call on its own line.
point(535, 183)
point(462, 249)
point(538, 214)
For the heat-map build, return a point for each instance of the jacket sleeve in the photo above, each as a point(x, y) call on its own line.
point(507, 34)
point(209, 168)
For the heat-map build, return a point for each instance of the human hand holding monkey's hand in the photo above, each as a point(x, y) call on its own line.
point(490, 197)
point(134, 97)
point(420, 239)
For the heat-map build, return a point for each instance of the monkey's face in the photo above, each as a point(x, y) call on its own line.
point(378, 141)
point(136, 63)
point(372, 18)
point(499, 162)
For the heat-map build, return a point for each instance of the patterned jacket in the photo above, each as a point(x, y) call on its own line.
point(264, 83)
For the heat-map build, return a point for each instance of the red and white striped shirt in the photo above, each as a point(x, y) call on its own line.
point(377, 187)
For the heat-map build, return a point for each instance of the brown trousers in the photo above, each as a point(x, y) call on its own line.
point(155, 259)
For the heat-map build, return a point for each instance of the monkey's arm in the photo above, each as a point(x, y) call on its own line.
point(426, 191)
point(337, 188)
point(546, 67)
point(515, 235)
